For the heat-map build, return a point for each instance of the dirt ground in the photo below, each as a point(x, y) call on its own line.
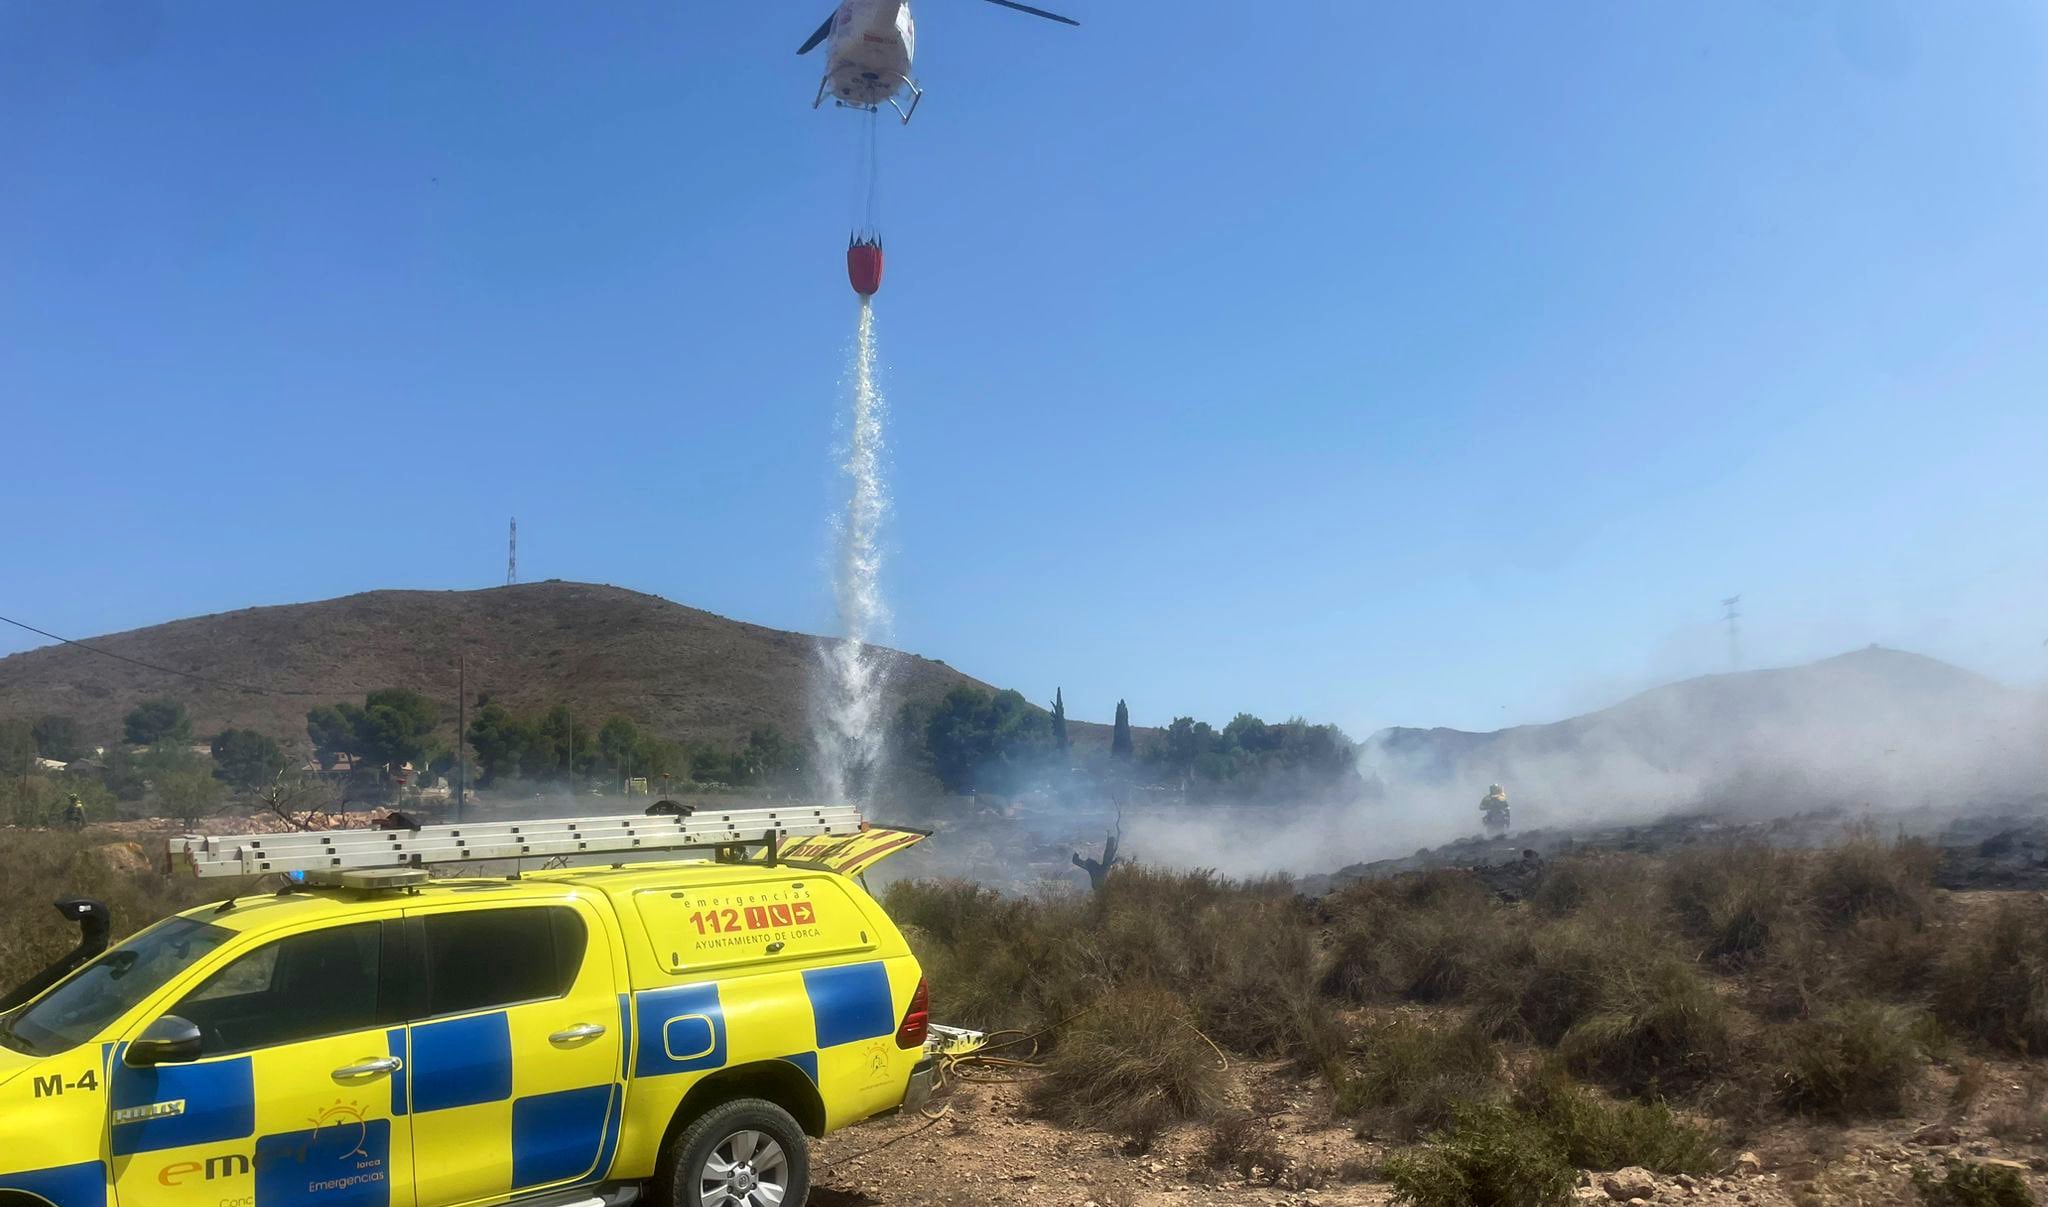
point(988, 1148)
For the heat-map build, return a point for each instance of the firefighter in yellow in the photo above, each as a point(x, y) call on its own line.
point(74, 813)
point(1493, 810)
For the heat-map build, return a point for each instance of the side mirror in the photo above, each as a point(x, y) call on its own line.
point(169, 1040)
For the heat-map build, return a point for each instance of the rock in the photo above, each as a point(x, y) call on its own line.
point(122, 857)
point(1685, 1182)
point(1589, 1194)
point(1634, 1182)
point(1979, 1147)
point(1639, 1203)
point(1748, 1163)
point(2002, 1163)
point(2040, 1164)
point(1935, 1133)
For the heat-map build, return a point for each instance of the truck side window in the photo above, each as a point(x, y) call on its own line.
point(490, 958)
point(306, 986)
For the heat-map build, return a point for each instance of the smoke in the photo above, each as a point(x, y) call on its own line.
point(847, 692)
point(1877, 730)
point(1906, 739)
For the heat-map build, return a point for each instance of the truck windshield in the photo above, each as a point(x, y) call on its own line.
point(82, 1005)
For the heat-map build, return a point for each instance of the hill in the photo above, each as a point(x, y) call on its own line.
point(689, 675)
point(1874, 726)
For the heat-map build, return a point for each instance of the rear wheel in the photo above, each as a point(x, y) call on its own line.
point(744, 1153)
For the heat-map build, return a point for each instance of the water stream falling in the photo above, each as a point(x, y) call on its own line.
point(847, 697)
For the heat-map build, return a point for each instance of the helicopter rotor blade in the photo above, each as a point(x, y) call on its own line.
point(824, 31)
point(1036, 12)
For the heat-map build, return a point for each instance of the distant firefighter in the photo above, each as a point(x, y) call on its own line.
point(1493, 810)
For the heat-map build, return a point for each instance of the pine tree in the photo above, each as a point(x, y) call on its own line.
point(1120, 741)
point(1059, 719)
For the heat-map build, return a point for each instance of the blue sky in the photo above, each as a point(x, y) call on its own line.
point(1419, 364)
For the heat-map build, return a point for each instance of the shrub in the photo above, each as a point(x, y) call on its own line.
point(994, 961)
point(1412, 1076)
point(1420, 937)
point(1657, 1026)
point(1865, 877)
point(1856, 1060)
point(1132, 1065)
point(1251, 978)
point(1735, 901)
point(1245, 1145)
point(1540, 985)
point(1993, 983)
point(1595, 1133)
point(1968, 1184)
point(1490, 1156)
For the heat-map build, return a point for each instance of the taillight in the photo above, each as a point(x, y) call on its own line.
point(917, 1021)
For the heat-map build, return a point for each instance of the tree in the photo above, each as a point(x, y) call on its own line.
point(1059, 720)
point(618, 745)
point(554, 744)
point(122, 773)
point(159, 720)
point(394, 726)
point(298, 800)
point(57, 738)
point(332, 728)
point(247, 760)
point(17, 746)
point(188, 791)
point(978, 742)
point(1098, 869)
point(500, 741)
point(768, 758)
point(1120, 740)
point(1251, 735)
point(1185, 741)
point(657, 759)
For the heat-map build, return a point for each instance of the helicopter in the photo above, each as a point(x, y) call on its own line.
point(871, 46)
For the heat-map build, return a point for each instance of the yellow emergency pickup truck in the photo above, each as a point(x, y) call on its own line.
point(669, 1032)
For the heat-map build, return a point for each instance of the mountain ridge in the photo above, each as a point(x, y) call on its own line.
point(685, 673)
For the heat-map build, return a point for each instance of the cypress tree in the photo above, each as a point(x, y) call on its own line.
point(1059, 719)
point(1120, 741)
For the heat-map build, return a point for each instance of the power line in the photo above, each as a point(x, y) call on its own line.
point(251, 688)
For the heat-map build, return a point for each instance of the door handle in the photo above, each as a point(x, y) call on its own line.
point(576, 1034)
point(369, 1068)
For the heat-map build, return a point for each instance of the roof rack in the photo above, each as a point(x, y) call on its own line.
point(666, 828)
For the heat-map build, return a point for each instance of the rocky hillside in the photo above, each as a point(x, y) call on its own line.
point(687, 674)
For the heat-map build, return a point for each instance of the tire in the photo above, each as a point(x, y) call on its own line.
point(747, 1152)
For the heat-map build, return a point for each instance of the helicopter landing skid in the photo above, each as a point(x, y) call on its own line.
point(916, 95)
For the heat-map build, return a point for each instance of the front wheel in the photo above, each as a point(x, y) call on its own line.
point(743, 1153)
